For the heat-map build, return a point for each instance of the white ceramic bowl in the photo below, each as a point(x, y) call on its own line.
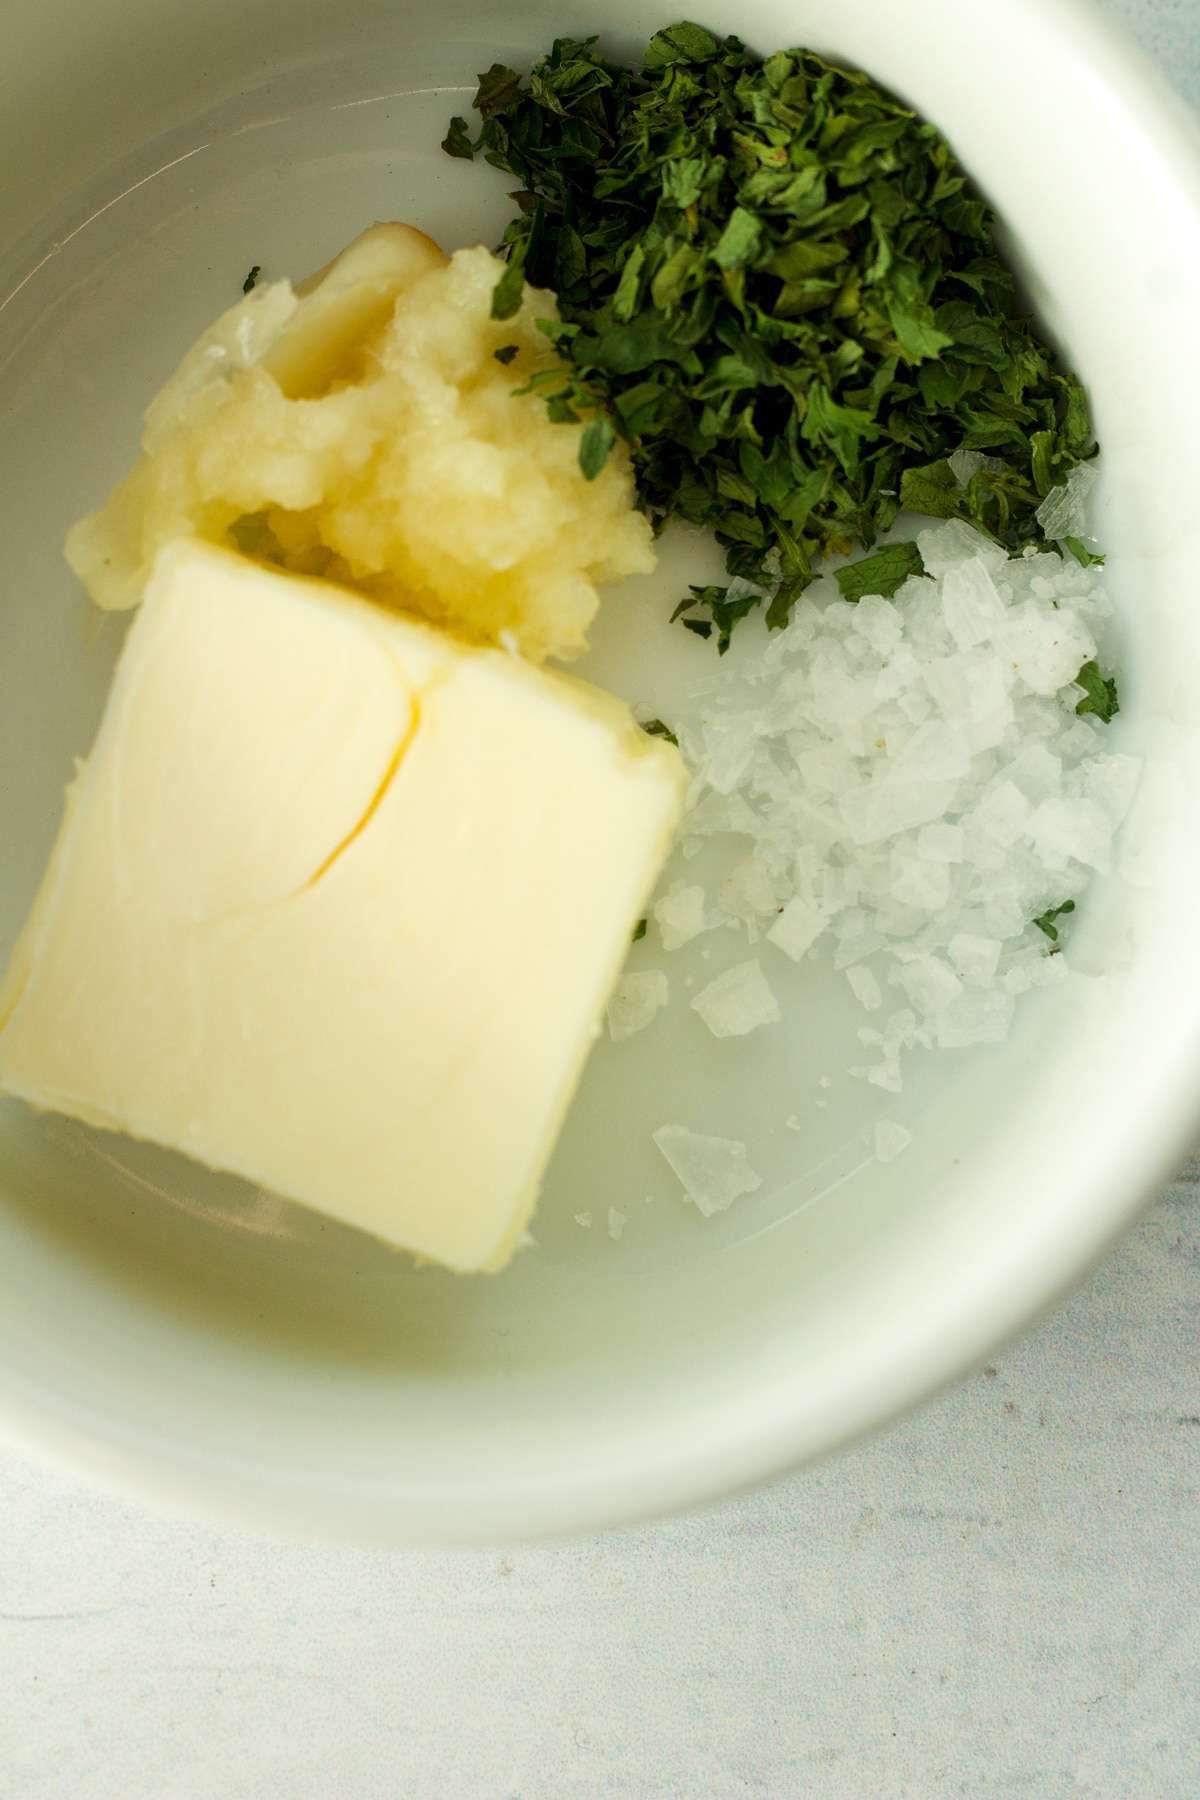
point(190, 1339)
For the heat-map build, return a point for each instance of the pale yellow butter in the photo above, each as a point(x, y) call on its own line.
point(337, 904)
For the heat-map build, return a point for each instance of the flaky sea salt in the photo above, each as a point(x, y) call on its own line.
point(797, 927)
point(1045, 645)
point(714, 1170)
point(748, 894)
point(890, 1140)
point(900, 788)
point(1063, 513)
point(738, 1001)
point(974, 958)
point(636, 998)
point(866, 989)
point(680, 914)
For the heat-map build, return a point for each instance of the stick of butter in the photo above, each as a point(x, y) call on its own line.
point(337, 904)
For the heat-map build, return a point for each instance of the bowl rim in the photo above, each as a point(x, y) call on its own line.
point(749, 1438)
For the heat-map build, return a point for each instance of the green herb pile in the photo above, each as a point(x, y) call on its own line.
point(777, 286)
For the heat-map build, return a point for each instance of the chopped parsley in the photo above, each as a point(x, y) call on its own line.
point(639, 931)
point(1047, 923)
point(656, 728)
point(1099, 695)
point(1082, 554)
point(252, 278)
point(723, 611)
point(880, 574)
point(779, 288)
point(506, 353)
point(598, 439)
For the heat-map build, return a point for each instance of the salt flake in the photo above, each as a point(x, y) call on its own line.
point(890, 1140)
point(714, 1170)
point(737, 1002)
point(636, 998)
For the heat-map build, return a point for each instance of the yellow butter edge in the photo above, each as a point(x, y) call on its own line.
point(24, 952)
point(604, 707)
point(672, 762)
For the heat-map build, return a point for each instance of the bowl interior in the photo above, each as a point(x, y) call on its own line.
point(205, 1340)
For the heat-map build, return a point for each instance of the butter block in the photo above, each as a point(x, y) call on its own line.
point(337, 904)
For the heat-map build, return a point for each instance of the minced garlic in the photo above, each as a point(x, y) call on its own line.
point(362, 428)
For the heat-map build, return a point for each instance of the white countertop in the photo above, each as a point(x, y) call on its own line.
point(997, 1597)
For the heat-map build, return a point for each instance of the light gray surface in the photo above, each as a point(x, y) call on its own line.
point(1170, 31)
point(996, 1598)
